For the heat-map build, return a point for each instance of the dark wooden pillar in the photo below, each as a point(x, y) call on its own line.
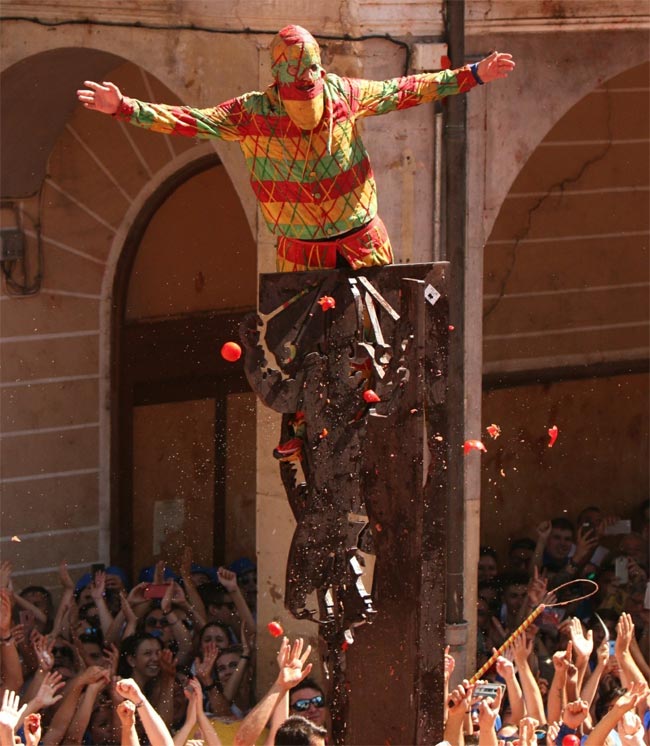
point(387, 459)
point(395, 667)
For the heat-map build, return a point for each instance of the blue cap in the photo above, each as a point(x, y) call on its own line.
point(241, 566)
point(209, 571)
point(147, 573)
point(86, 578)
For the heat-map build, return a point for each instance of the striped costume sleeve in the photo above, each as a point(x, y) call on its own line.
point(374, 97)
point(227, 121)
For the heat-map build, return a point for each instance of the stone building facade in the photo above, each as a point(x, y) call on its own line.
point(141, 253)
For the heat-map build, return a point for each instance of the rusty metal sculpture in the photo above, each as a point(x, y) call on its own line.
point(313, 362)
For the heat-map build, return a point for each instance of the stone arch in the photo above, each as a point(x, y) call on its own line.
point(565, 342)
point(93, 177)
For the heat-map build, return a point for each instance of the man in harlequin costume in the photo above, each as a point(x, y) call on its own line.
point(308, 166)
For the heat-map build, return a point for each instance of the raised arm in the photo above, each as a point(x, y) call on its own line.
point(532, 696)
point(630, 672)
point(126, 713)
point(495, 66)
point(153, 724)
point(506, 671)
point(228, 580)
point(10, 714)
point(293, 669)
point(104, 97)
point(627, 702)
point(10, 666)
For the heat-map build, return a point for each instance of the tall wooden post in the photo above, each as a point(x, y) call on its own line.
point(386, 460)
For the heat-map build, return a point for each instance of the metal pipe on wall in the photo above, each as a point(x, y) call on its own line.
point(455, 211)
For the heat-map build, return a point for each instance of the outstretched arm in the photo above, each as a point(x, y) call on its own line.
point(154, 725)
point(292, 671)
point(495, 66)
point(105, 97)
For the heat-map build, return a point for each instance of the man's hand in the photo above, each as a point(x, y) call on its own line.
point(536, 588)
point(203, 666)
point(624, 634)
point(505, 669)
point(47, 694)
point(32, 725)
point(64, 576)
point(126, 713)
point(291, 661)
point(11, 711)
point(522, 649)
point(586, 542)
point(105, 97)
point(488, 709)
point(575, 713)
point(582, 645)
point(496, 66)
point(460, 699)
point(228, 579)
point(128, 689)
point(450, 664)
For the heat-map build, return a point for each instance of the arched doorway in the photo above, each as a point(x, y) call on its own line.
point(566, 320)
point(184, 419)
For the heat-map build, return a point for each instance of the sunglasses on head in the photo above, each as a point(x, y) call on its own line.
point(300, 705)
point(152, 621)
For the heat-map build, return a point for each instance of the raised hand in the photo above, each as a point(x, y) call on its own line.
point(11, 711)
point(32, 727)
point(450, 664)
point(98, 585)
point(602, 653)
point(64, 576)
point(552, 733)
point(128, 689)
point(460, 699)
point(47, 694)
point(105, 97)
point(527, 727)
point(293, 663)
point(167, 664)
point(488, 709)
point(495, 66)
point(126, 713)
point(575, 713)
point(586, 542)
point(631, 698)
point(111, 658)
point(522, 648)
point(228, 579)
point(505, 669)
point(537, 588)
point(204, 667)
point(582, 645)
point(43, 649)
point(624, 634)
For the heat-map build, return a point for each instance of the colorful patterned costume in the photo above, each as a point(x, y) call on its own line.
point(315, 187)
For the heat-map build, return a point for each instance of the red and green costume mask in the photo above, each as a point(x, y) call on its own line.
point(298, 74)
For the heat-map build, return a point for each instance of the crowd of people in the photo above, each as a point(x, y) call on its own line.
point(171, 660)
point(165, 662)
point(579, 673)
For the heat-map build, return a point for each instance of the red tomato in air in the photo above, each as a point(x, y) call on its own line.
point(473, 445)
point(275, 628)
point(370, 396)
point(231, 352)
